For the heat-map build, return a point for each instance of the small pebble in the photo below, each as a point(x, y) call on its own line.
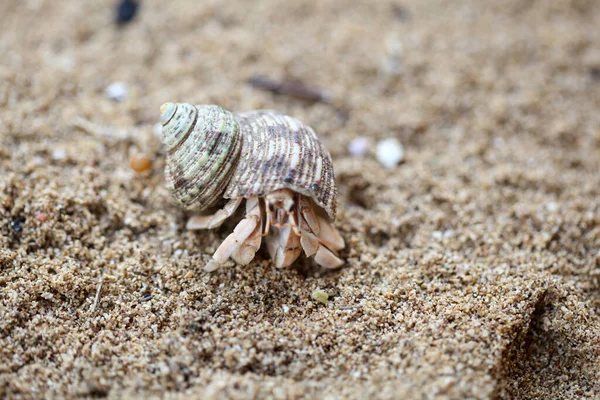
point(551, 206)
point(158, 130)
point(47, 295)
point(41, 217)
point(140, 162)
point(126, 11)
point(116, 91)
point(498, 142)
point(359, 146)
point(146, 297)
point(390, 152)
point(59, 154)
point(17, 224)
point(320, 295)
point(439, 235)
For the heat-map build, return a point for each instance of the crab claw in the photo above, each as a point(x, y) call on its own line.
point(246, 251)
point(319, 236)
point(243, 243)
point(284, 246)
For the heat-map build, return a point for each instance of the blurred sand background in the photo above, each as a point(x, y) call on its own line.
point(472, 268)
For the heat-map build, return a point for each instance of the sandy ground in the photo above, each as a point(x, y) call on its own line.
point(472, 268)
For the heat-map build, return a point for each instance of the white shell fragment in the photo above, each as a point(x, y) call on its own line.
point(157, 130)
point(390, 152)
point(116, 91)
point(359, 146)
point(59, 155)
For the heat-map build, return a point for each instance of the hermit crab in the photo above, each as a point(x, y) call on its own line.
point(273, 162)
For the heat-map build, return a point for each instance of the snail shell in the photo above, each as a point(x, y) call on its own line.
point(214, 154)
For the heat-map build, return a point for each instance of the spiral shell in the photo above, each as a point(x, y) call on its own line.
point(203, 145)
point(213, 154)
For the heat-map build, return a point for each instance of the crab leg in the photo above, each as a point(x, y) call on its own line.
point(329, 236)
point(319, 246)
point(237, 238)
point(319, 237)
point(330, 240)
point(309, 227)
point(309, 243)
point(291, 224)
point(246, 251)
point(297, 225)
point(327, 259)
point(215, 220)
point(284, 246)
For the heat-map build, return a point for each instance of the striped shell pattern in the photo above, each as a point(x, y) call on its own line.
point(213, 154)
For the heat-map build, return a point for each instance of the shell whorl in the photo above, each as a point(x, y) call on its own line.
point(281, 152)
point(203, 145)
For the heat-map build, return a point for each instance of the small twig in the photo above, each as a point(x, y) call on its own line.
point(150, 58)
point(349, 307)
point(98, 293)
point(98, 130)
point(290, 87)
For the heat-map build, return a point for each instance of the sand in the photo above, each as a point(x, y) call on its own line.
point(472, 267)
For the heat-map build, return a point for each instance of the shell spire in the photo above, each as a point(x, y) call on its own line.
point(203, 145)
